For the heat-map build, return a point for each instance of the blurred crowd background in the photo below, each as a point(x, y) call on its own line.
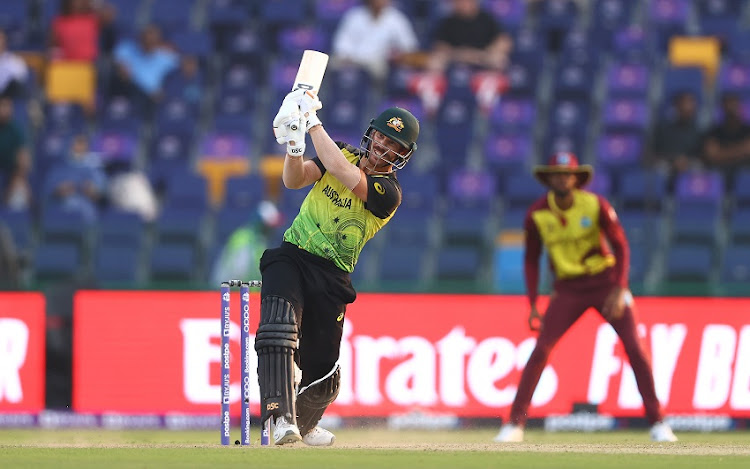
point(136, 148)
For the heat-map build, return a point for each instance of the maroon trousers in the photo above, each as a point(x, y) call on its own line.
point(566, 306)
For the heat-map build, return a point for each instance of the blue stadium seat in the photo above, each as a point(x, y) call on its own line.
point(410, 226)
point(517, 113)
point(697, 223)
point(619, 151)
point(421, 190)
point(56, 261)
point(116, 263)
point(64, 118)
point(454, 127)
point(244, 193)
point(117, 227)
point(458, 263)
point(172, 262)
point(739, 226)
point(177, 115)
point(63, 226)
point(186, 189)
point(284, 11)
point(628, 80)
point(119, 114)
point(194, 43)
point(640, 189)
point(736, 264)
point(742, 189)
point(232, 112)
point(180, 225)
point(466, 225)
point(350, 83)
point(13, 14)
point(344, 115)
point(626, 115)
point(689, 262)
point(172, 15)
point(507, 151)
point(171, 146)
point(401, 263)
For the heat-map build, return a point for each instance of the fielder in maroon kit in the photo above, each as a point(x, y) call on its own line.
point(572, 225)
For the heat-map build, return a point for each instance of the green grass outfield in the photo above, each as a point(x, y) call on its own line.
point(378, 448)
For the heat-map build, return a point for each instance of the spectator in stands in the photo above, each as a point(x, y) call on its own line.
point(15, 161)
point(140, 67)
point(186, 82)
point(372, 36)
point(727, 145)
point(13, 70)
point(675, 144)
point(470, 35)
point(75, 32)
point(79, 183)
point(241, 253)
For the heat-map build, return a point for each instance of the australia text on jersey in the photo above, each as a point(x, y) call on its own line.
point(336, 199)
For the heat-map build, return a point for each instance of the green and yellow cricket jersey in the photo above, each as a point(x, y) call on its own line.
point(334, 223)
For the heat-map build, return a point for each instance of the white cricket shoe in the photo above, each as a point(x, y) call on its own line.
point(285, 432)
point(319, 437)
point(510, 433)
point(661, 432)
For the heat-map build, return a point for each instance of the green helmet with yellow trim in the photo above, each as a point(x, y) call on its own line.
point(399, 125)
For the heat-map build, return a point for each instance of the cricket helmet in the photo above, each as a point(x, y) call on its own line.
point(399, 125)
point(564, 162)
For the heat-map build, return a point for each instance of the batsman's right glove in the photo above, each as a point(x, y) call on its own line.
point(295, 139)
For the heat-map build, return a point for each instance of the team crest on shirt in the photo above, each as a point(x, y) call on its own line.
point(585, 222)
point(395, 123)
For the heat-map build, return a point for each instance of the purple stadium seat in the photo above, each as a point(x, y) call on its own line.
point(616, 151)
point(700, 188)
point(510, 13)
point(626, 114)
point(114, 147)
point(507, 150)
point(528, 47)
point(171, 145)
point(298, 38)
point(633, 43)
point(283, 11)
point(612, 14)
point(345, 115)
point(177, 115)
point(569, 114)
point(734, 77)
point(329, 12)
point(513, 113)
point(470, 185)
point(219, 145)
point(668, 12)
point(628, 79)
point(558, 14)
point(523, 79)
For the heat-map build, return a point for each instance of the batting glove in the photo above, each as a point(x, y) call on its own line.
point(295, 139)
point(287, 117)
point(309, 103)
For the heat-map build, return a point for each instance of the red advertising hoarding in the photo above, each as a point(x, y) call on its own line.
point(158, 352)
point(22, 332)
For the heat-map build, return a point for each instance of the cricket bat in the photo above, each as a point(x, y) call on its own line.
point(312, 67)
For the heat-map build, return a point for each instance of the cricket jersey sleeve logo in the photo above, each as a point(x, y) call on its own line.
point(379, 188)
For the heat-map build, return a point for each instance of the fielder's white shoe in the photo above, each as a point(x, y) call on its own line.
point(319, 437)
point(285, 432)
point(510, 433)
point(662, 433)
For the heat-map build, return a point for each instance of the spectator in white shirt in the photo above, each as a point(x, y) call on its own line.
point(372, 35)
point(13, 70)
